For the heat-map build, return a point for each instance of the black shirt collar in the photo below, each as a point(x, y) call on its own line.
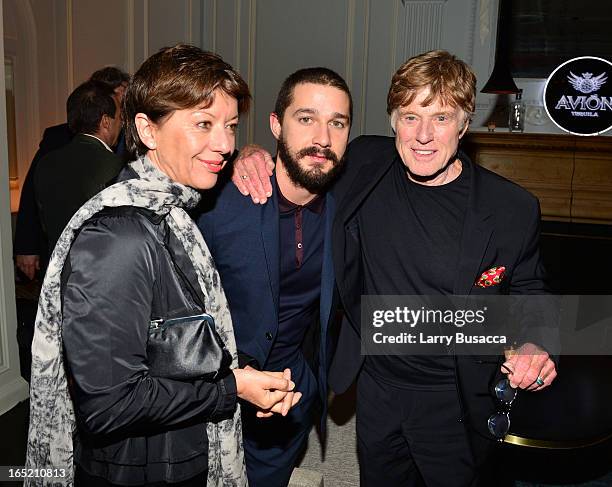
point(315, 205)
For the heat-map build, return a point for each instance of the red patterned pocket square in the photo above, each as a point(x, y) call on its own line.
point(491, 277)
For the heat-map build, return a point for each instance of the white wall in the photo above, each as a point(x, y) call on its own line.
point(266, 40)
point(62, 41)
point(12, 387)
point(363, 40)
point(59, 43)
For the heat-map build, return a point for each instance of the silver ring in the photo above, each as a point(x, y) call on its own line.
point(244, 176)
point(540, 381)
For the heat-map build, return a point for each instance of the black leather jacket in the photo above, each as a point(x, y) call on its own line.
point(124, 268)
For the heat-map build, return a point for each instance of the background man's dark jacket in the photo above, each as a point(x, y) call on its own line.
point(29, 235)
point(67, 177)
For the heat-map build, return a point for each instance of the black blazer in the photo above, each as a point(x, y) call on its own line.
point(67, 177)
point(501, 228)
point(30, 238)
point(29, 235)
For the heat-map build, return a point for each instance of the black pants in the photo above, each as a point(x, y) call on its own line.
point(83, 479)
point(411, 438)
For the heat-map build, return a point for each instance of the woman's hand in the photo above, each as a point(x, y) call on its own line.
point(266, 390)
point(290, 400)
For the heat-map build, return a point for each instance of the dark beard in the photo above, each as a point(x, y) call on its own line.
point(314, 181)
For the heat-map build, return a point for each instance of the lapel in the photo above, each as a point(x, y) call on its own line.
point(270, 240)
point(347, 251)
point(371, 171)
point(327, 267)
point(476, 235)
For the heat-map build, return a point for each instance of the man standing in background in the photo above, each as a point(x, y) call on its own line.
point(30, 245)
point(66, 178)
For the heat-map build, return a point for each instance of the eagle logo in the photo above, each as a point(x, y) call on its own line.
point(586, 83)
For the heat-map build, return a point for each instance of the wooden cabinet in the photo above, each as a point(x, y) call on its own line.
point(570, 175)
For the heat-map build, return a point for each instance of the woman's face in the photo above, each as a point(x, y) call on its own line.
point(192, 145)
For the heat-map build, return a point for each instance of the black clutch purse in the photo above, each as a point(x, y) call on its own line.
point(187, 348)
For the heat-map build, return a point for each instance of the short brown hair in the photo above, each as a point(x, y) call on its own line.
point(317, 76)
point(86, 106)
point(178, 78)
point(447, 77)
point(111, 75)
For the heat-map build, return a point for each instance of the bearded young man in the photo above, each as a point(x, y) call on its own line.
point(416, 217)
point(275, 265)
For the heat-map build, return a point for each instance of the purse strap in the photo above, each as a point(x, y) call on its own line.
point(160, 230)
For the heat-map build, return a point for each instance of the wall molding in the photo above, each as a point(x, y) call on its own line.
point(130, 40)
point(251, 64)
point(350, 26)
point(364, 69)
point(32, 80)
point(423, 26)
point(398, 35)
point(188, 20)
point(26, 95)
point(493, 12)
point(12, 387)
point(145, 28)
point(6, 272)
point(12, 393)
point(214, 25)
point(69, 47)
point(237, 31)
point(471, 31)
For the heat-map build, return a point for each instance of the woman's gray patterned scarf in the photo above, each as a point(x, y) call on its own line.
point(51, 412)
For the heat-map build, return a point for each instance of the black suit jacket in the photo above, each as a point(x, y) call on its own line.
point(501, 228)
point(29, 235)
point(67, 177)
point(30, 238)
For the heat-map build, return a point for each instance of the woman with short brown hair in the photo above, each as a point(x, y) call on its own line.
point(132, 257)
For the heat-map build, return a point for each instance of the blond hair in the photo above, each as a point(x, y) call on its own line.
point(448, 79)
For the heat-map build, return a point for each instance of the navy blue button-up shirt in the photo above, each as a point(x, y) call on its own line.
point(302, 231)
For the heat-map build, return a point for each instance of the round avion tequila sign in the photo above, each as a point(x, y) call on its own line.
point(578, 96)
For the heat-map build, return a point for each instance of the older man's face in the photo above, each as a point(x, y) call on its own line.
point(427, 138)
